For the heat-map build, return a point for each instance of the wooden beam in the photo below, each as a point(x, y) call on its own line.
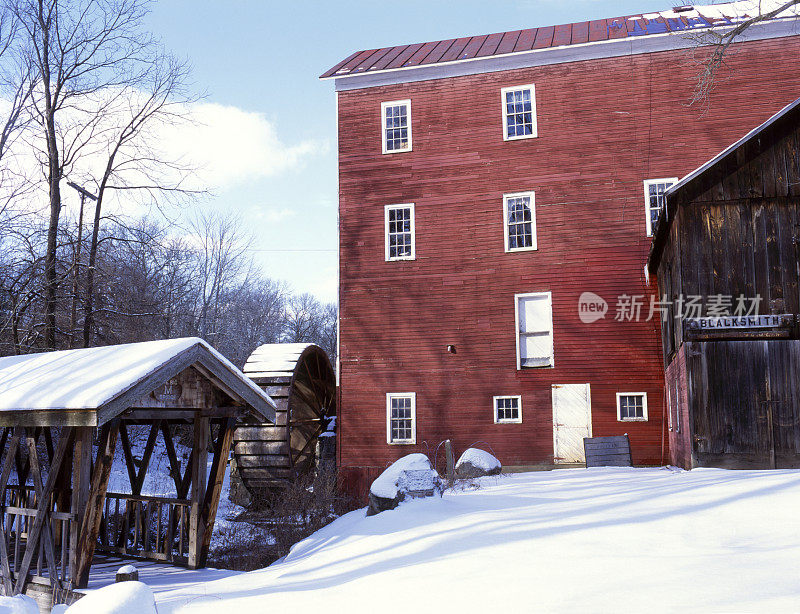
point(42, 510)
point(126, 453)
point(81, 479)
point(199, 465)
point(222, 450)
point(90, 526)
point(47, 529)
point(8, 460)
point(148, 453)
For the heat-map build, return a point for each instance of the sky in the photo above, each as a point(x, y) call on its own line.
point(268, 137)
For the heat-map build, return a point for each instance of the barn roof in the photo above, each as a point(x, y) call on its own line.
point(102, 382)
point(679, 20)
point(275, 359)
point(717, 168)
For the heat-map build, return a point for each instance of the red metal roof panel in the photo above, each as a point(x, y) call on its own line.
point(387, 59)
point(598, 30)
point(544, 38)
point(421, 54)
point(471, 50)
point(562, 35)
point(508, 42)
point(332, 71)
point(438, 51)
point(580, 33)
point(367, 63)
point(455, 49)
point(490, 45)
point(525, 40)
point(401, 59)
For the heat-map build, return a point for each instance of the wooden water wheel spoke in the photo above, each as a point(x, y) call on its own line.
point(301, 380)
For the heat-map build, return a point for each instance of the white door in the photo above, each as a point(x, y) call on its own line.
point(572, 421)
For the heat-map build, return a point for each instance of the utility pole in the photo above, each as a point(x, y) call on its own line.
point(84, 193)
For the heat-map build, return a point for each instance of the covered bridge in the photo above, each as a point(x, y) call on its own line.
point(62, 415)
point(727, 256)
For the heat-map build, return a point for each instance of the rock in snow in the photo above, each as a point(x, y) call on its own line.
point(410, 476)
point(21, 604)
point(475, 463)
point(120, 598)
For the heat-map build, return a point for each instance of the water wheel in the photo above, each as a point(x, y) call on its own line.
point(301, 381)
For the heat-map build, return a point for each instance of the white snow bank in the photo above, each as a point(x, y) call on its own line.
point(571, 540)
point(412, 467)
point(20, 604)
point(480, 459)
point(126, 569)
point(120, 598)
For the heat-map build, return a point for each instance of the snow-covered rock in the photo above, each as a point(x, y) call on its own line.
point(475, 463)
point(20, 604)
point(120, 598)
point(410, 476)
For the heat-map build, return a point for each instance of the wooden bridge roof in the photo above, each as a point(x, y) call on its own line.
point(679, 20)
point(91, 386)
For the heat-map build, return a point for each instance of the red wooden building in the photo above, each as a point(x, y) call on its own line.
point(491, 187)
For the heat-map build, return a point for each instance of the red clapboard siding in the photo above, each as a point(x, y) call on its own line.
point(604, 126)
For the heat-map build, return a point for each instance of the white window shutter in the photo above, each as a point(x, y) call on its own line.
point(534, 330)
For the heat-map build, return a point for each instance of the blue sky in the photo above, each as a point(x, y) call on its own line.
point(258, 62)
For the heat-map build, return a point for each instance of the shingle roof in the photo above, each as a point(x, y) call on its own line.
point(680, 19)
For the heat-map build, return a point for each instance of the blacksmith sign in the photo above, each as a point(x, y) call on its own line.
point(740, 322)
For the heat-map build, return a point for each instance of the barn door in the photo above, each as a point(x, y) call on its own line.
point(572, 421)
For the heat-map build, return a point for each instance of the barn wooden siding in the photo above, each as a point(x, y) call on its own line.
point(680, 429)
point(604, 126)
point(745, 403)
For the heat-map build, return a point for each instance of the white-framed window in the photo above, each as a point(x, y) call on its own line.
point(534, 323)
point(401, 417)
point(399, 227)
point(654, 199)
point(519, 112)
point(396, 126)
point(632, 406)
point(507, 409)
point(677, 396)
point(519, 215)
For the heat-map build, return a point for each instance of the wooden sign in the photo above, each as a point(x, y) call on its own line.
point(608, 451)
point(739, 322)
point(171, 391)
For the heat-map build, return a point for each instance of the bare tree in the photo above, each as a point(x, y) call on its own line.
point(221, 263)
point(720, 39)
point(86, 56)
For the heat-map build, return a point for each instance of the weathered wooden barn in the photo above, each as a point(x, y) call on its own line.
point(727, 260)
point(497, 196)
point(61, 416)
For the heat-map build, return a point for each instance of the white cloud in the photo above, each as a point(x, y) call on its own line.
point(229, 145)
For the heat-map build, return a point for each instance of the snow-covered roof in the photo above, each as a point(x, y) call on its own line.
point(275, 359)
point(108, 377)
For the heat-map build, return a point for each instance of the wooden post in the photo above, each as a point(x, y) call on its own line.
point(451, 471)
point(90, 526)
point(81, 479)
point(199, 474)
point(222, 450)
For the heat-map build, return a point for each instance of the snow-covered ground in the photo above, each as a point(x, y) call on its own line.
point(597, 540)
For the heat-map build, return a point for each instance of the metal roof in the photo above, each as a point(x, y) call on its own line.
point(681, 19)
